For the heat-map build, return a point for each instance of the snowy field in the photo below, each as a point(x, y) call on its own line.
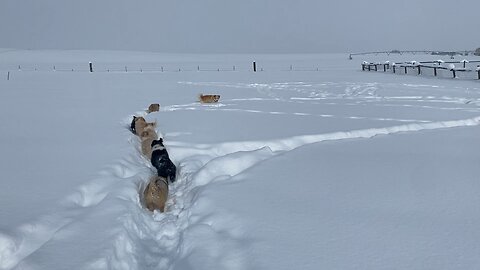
point(323, 167)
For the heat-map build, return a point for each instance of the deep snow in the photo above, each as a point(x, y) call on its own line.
point(303, 169)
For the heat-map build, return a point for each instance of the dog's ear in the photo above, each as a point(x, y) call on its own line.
point(160, 140)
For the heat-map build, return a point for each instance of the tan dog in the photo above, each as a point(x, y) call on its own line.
point(153, 108)
point(156, 193)
point(208, 98)
point(141, 124)
point(147, 136)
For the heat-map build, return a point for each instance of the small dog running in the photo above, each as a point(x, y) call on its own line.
point(155, 107)
point(208, 98)
point(161, 161)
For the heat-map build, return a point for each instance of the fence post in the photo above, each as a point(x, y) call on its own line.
point(90, 66)
point(393, 66)
point(454, 75)
point(376, 68)
point(8, 75)
point(435, 71)
point(254, 66)
point(478, 71)
point(363, 67)
point(419, 71)
point(369, 68)
point(384, 67)
point(405, 69)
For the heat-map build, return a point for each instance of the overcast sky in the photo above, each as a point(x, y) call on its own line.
point(240, 26)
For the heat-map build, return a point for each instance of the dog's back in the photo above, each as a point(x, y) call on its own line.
point(156, 194)
point(208, 98)
point(161, 161)
point(147, 137)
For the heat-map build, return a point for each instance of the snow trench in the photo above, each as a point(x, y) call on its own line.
point(180, 238)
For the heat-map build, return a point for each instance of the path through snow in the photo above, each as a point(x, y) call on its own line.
point(162, 239)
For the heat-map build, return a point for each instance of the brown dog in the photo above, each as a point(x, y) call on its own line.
point(147, 136)
point(156, 193)
point(141, 124)
point(153, 108)
point(208, 98)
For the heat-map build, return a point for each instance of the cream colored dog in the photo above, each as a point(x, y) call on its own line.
point(153, 108)
point(156, 193)
point(141, 124)
point(147, 136)
point(208, 98)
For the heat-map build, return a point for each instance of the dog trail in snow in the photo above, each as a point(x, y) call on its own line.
point(162, 237)
point(159, 240)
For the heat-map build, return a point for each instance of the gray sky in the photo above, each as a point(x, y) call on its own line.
point(240, 26)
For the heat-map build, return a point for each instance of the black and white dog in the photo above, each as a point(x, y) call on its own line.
point(161, 161)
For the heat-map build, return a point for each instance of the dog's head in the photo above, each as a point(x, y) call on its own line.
point(158, 142)
point(216, 98)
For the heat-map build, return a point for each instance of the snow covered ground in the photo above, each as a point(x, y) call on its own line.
point(324, 167)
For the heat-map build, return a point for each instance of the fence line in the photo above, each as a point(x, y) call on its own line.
point(419, 68)
point(122, 68)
